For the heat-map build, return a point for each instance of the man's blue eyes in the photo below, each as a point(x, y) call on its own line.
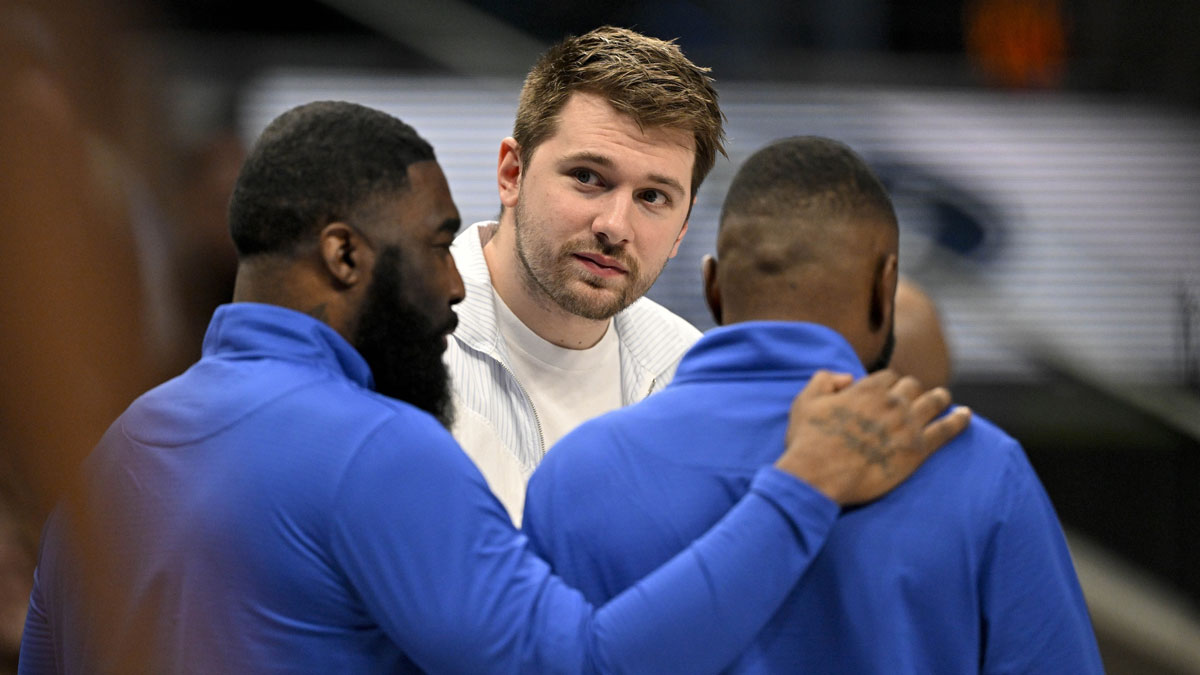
point(589, 177)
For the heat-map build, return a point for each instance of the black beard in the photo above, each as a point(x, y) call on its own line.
point(885, 354)
point(401, 345)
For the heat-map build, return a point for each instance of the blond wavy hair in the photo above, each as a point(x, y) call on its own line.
point(646, 78)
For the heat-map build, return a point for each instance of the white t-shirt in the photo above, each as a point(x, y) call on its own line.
point(567, 386)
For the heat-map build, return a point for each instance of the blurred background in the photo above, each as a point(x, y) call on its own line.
point(1043, 155)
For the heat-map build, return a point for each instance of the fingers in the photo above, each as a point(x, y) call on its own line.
point(880, 379)
point(825, 382)
point(842, 380)
point(938, 433)
point(930, 404)
point(904, 390)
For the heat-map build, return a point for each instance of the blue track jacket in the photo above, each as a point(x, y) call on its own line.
point(269, 513)
point(963, 568)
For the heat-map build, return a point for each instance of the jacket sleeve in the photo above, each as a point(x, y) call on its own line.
point(1034, 614)
point(37, 640)
point(441, 569)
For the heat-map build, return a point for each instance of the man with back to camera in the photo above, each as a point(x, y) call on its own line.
point(272, 509)
point(614, 133)
point(962, 568)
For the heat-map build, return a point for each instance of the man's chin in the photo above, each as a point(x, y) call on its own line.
point(594, 304)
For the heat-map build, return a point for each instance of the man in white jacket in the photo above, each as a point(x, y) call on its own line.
point(614, 133)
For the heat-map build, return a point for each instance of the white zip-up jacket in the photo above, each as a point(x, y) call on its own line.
point(495, 421)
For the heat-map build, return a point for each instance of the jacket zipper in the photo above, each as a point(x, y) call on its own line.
point(536, 420)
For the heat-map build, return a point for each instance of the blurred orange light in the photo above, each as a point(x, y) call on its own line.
point(1017, 43)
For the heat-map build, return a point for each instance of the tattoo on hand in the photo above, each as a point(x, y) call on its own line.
point(865, 436)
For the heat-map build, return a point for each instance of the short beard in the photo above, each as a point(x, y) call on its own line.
point(547, 273)
point(401, 345)
point(885, 354)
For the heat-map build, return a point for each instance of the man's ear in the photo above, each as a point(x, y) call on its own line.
point(712, 290)
point(883, 292)
point(345, 254)
point(508, 172)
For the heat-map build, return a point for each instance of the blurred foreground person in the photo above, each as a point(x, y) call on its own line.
point(961, 569)
point(293, 502)
point(73, 347)
point(921, 349)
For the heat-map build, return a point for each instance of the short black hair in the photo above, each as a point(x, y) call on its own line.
point(315, 164)
point(806, 174)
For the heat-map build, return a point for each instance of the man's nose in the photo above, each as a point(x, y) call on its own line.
point(458, 291)
point(613, 223)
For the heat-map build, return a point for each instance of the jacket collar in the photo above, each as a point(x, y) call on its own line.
point(767, 350)
point(250, 329)
point(477, 312)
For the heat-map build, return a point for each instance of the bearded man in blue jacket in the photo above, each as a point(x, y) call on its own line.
point(961, 569)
